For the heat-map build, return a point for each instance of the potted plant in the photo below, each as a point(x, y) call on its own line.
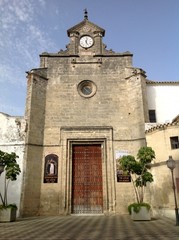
point(9, 165)
point(140, 176)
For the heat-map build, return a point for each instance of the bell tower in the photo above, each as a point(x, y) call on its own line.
point(85, 38)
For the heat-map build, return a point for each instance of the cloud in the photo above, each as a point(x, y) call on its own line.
point(40, 37)
point(12, 74)
point(42, 2)
point(23, 11)
point(21, 38)
point(9, 109)
point(13, 12)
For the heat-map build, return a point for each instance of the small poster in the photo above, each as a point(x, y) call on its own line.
point(121, 176)
point(51, 169)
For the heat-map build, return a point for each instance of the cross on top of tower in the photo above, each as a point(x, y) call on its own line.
point(85, 14)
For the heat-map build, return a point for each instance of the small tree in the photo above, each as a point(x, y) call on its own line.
point(138, 170)
point(12, 169)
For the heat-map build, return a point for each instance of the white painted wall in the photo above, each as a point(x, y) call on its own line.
point(164, 98)
point(12, 138)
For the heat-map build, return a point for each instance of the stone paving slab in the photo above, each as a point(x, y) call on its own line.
point(89, 227)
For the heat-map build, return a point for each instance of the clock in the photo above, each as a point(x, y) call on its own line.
point(86, 41)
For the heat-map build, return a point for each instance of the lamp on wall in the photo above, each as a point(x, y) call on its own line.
point(171, 165)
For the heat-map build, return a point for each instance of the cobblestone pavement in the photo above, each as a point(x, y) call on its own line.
point(89, 227)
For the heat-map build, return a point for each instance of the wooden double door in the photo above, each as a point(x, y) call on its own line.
point(87, 182)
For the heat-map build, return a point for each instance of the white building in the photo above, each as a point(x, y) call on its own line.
point(163, 99)
point(12, 139)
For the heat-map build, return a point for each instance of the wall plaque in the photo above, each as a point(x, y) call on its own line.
point(121, 176)
point(51, 169)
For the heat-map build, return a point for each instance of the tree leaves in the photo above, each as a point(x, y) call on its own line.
point(12, 170)
point(139, 169)
point(145, 155)
point(143, 179)
point(11, 167)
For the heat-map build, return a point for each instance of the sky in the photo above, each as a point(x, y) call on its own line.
point(147, 28)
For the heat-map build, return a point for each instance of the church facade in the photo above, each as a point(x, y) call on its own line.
point(86, 106)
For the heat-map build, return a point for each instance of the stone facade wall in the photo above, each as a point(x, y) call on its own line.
point(35, 113)
point(59, 114)
point(117, 103)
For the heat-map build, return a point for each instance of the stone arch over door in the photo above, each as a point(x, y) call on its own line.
point(88, 136)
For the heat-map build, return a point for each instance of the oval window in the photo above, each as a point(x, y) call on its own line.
point(86, 88)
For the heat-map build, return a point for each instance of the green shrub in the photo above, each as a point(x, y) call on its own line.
point(137, 207)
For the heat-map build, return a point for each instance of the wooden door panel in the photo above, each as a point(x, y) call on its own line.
point(87, 189)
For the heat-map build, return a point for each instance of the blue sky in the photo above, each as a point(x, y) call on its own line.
point(147, 28)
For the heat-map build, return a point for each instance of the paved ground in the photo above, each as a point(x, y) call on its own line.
point(90, 227)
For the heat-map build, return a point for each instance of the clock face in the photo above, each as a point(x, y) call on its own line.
point(86, 41)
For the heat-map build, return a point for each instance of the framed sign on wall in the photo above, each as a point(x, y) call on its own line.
point(51, 169)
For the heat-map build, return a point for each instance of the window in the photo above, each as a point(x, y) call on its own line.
point(152, 116)
point(174, 141)
point(86, 88)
